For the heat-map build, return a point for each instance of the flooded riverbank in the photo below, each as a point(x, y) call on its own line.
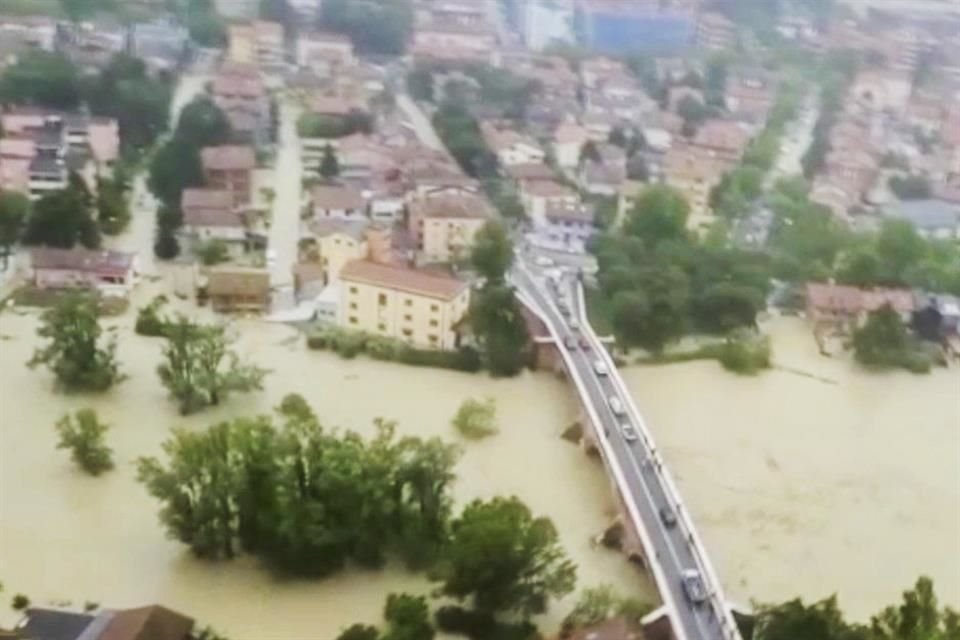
point(816, 477)
point(66, 536)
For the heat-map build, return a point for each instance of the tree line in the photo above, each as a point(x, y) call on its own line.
point(660, 281)
point(177, 166)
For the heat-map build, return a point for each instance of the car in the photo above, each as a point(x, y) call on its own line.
point(668, 516)
point(543, 261)
point(564, 309)
point(629, 433)
point(570, 342)
point(600, 368)
point(693, 586)
point(615, 405)
point(574, 324)
point(584, 344)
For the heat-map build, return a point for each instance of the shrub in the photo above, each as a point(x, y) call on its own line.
point(476, 419)
point(474, 624)
point(149, 321)
point(741, 353)
point(83, 435)
point(349, 344)
point(20, 602)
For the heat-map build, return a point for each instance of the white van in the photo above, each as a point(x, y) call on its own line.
point(615, 405)
point(600, 368)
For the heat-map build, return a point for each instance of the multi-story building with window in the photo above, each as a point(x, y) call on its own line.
point(419, 307)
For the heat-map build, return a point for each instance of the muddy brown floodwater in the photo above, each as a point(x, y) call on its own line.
point(845, 482)
point(68, 537)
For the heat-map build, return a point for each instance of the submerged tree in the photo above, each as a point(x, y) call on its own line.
point(199, 369)
point(74, 352)
point(83, 434)
point(504, 559)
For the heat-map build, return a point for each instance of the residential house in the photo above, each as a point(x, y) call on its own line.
point(237, 9)
point(604, 174)
point(833, 196)
point(568, 141)
point(849, 306)
point(162, 43)
point(338, 202)
point(694, 172)
point(883, 90)
point(324, 51)
point(240, 93)
point(750, 95)
point(244, 289)
point(338, 243)
point(537, 196)
point(520, 173)
point(715, 32)
point(445, 226)
point(511, 147)
point(567, 227)
point(259, 42)
point(441, 41)
point(112, 273)
point(619, 628)
point(725, 139)
point(15, 158)
point(28, 32)
point(385, 200)
point(209, 214)
point(546, 22)
point(422, 308)
point(230, 167)
point(91, 45)
point(853, 170)
point(934, 219)
point(143, 623)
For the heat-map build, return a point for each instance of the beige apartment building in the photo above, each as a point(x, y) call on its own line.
point(419, 307)
point(445, 226)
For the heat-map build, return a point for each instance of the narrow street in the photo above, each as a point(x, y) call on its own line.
point(138, 236)
point(796, 141)
point(284, 234)
point(419, 121)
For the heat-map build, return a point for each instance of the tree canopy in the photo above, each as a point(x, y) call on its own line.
point(304, 498)
point(376, 27)
point(42, 78)
point(503, 559)
point(74, 351)
point(83, 434)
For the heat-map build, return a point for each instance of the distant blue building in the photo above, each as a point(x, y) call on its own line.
point(620, 27)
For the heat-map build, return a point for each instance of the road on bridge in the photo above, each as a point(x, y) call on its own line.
point(672, 548)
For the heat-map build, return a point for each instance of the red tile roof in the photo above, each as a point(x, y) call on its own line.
point(228, 158)
point(415, 281)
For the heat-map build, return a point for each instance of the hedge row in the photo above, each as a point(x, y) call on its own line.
point(350, 344)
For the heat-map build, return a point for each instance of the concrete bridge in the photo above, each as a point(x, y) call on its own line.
point(658, 527)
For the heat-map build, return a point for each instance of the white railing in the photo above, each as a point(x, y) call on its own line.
point(610, 458)
point(714, 588)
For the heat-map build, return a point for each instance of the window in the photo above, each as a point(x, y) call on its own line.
point(408, 302)
point(434, 323)
point(434, 308)
point(382, 299)
point(408, 318)
point(433, 339)
point(408, 332)
point(353, 320)
point(382, 327)
point(353, 289)
point(353, 305)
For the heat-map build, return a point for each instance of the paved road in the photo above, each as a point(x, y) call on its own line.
point(419, 121)
point(640, 465)
point(284, 233)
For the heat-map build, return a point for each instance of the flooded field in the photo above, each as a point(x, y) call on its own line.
point(845, 482)
point(66, 536)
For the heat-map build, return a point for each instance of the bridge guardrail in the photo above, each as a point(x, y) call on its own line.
point(718, 600)
point(610, 458)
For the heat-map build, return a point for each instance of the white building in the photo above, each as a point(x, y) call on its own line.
point(546, 22)
point(237, 9)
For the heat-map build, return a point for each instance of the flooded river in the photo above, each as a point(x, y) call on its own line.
point(845, 482)
point(67, 536)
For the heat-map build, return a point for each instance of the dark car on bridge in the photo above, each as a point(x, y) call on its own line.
point(668, 516)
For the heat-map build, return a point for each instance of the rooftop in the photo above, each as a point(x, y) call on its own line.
point(81, 259)
point(408, 280)
point(228, 158)
point(147, 623)
point(334, 196)
point(548, 189)
point(452, 206)
point(927, 214)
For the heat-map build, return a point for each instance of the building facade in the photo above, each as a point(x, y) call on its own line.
point(421, 308)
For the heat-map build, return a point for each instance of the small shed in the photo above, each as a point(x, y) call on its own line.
point(233, 289)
